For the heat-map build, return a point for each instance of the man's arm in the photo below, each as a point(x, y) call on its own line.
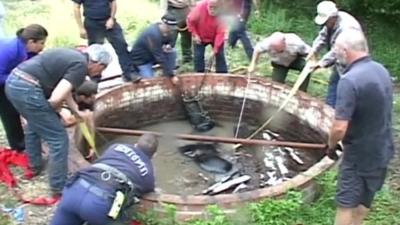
point(192, 21)
point(319, 42)
point(77, 15)
point(113, 6)
point(254, 60)
point(110, 22)
point(246, 9)
point(345, 107)
point(219, 38)
point(303, 48)
point(72, 104)
point(156, 47)
point(60, 93)
point(338, 130)
point(78, 19)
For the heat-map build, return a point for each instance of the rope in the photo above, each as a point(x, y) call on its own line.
point(243, 104)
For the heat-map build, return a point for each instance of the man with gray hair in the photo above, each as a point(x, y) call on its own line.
point(37, 88)
point(93, 195)
point(334, 22)
point(287, 51)
point(363, 122)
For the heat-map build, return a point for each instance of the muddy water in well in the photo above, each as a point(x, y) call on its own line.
point(178, 174)
point(175, 173)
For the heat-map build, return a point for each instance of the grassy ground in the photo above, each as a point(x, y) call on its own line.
point(134, 15)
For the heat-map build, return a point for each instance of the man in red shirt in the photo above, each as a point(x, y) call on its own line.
point(206, 28)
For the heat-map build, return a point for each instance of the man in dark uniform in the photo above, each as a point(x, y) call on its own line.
point(100, 23)
point(123, 170)
point(363, 121)
point(37, 88)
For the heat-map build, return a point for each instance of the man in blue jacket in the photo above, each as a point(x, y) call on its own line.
point(155, 46)
point(122, 174)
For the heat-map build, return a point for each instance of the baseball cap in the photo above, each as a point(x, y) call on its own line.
point(325, 10)
point(169, 19)
point(98, 53)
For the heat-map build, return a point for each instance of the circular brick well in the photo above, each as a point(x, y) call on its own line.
point(156, 100)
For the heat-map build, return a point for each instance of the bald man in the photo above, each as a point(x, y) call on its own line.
point(363, 121)
point(286, 51)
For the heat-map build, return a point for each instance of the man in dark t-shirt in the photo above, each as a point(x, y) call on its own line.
point(37, 88)
point(91, 193)
point(363, 121)
point(100, 23)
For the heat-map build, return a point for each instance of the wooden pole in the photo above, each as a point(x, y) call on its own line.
point(228, 140)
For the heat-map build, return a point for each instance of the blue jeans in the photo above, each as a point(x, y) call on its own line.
point(239, 33)
point(97, 32)
point(81, 202)
point(199, 65)
point(43, 124)
point(332, 87)
point(146, 70)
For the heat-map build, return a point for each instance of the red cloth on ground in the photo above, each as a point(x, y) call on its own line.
point(9, 157)
point(209, 28)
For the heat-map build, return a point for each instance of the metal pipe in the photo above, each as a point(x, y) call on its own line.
point(228, 140)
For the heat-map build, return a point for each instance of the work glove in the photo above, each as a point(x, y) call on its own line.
point(331, 152)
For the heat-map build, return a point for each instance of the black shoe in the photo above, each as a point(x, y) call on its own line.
point(133, 77)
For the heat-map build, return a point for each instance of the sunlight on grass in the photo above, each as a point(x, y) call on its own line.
point(57, 17)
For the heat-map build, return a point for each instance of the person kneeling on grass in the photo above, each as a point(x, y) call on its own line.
point(104, 192)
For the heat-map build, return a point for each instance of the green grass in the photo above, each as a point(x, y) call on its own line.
point(291, 210)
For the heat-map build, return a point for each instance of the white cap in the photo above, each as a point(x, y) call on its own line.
point(325, 10)
point(98, 53)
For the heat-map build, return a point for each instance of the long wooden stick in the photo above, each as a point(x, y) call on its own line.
point(228, 140)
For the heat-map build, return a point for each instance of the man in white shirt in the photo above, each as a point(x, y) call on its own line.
point(286, 51)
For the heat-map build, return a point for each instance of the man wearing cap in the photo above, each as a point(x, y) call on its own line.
point(37, 88)
point(120, 176)
point(207, 29)
point(180, 9)
point(363, 121)
point(334, 22)
point(287, 51)
point(100, 23)
point(154, 46)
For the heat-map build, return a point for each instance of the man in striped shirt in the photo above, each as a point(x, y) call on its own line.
point(334, 22)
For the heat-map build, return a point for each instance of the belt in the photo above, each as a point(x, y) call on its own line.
point(26, 77)
point(110, 171)
point(95, 190)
